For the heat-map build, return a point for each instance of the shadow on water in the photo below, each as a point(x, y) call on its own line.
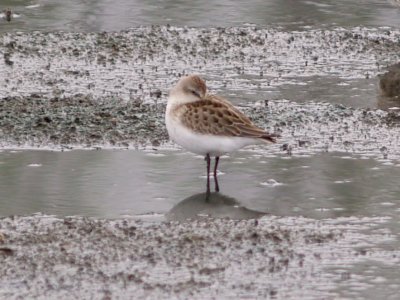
point(216, 205)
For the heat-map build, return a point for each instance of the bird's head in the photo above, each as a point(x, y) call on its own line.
point(190, 88)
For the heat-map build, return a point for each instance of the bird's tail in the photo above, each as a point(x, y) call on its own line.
point(270, 137)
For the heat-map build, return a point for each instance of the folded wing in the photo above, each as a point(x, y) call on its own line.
point(217, 116)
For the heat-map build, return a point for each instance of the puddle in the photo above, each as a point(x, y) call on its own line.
point(115, 183)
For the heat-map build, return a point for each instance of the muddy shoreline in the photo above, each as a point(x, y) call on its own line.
point(45, 256)
point(82, 122)
point(93, 90)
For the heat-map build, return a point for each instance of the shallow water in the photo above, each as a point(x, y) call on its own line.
point(115, 183)
point(104, 15)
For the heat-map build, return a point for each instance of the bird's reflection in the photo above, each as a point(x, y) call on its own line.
point(213, 205)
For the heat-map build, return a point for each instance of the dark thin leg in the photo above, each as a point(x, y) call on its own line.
point(208, 160)
point(215, 174)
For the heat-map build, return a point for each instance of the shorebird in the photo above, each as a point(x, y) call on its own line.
point(207, 124)
point(7, 14)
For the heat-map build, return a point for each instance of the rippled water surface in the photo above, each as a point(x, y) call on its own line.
point(108, 15)
point(114, 183)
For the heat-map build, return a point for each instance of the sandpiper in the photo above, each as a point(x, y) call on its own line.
point(207, 124)
point(7, 14)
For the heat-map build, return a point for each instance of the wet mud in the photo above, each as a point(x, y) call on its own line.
point(143, 63)
point(109, 89)
point(48, 257)
point(80, 121)
point(83, 122)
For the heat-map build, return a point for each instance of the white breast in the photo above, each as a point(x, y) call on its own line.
point(203, 143)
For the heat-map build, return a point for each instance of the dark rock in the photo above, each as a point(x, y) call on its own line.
point(390, 82)
point(6, 251)
point(7, 59)
point(47, 119)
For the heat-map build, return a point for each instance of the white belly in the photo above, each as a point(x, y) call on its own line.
point(204, 143)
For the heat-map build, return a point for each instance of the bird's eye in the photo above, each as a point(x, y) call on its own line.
point(195, 93)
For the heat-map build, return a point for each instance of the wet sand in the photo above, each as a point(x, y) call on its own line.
point(82, 122)
point(63, 90)
point(47, 257)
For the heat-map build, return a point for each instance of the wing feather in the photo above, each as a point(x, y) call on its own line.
point(216, 116)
